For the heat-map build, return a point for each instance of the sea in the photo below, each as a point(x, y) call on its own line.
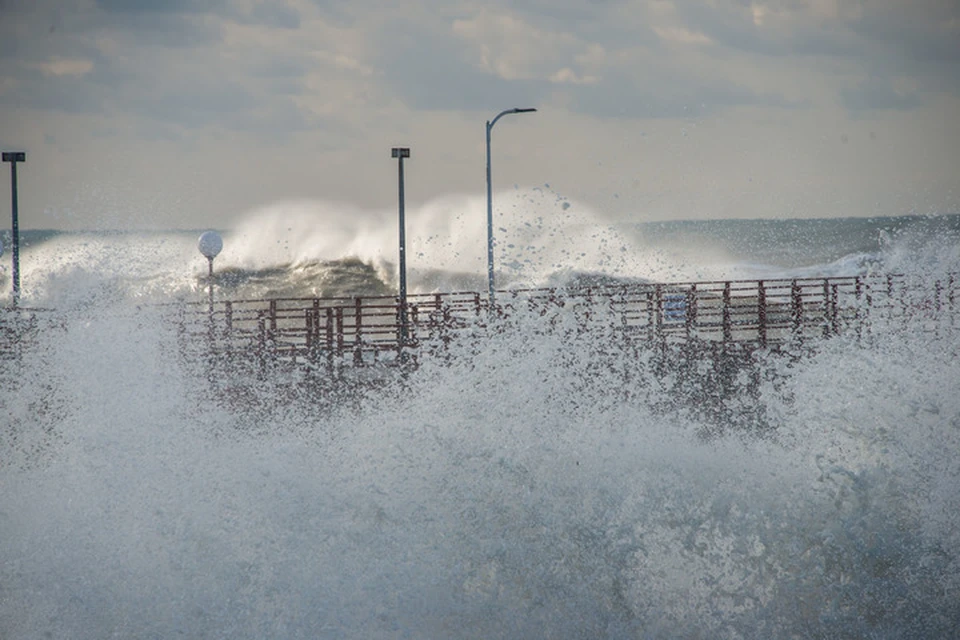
point(532, 484)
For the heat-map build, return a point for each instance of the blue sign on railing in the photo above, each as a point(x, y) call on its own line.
point(675, 307)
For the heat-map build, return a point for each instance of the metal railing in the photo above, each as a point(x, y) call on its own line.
point(365, 330)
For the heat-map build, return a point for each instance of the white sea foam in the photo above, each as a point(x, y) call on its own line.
point(541, 483)
point(537, 235)
point(539, 242)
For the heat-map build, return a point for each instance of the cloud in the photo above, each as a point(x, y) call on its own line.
point(509, 47)
point(681, 35)
point(160, 63)
point(289, 66)
point(276, 15)
point(622, 94)
point(74, 86)
point(154, 7)
point(347, 13)
point(767, 28)
point(57, 66)
point(428, 65)
point(567, 75)
point(922, 30)
point(879, 93)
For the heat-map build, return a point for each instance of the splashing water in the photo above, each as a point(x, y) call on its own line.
point(538, 483)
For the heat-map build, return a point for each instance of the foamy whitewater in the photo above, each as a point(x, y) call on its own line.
point(536, 484)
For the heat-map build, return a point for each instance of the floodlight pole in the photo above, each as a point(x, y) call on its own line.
point(400, 153)
point(490, 124)
point(13, 157)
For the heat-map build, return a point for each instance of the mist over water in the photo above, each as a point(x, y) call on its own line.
point(313, 248)
point(538, 483)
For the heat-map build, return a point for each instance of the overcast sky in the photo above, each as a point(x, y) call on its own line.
point(190, 113)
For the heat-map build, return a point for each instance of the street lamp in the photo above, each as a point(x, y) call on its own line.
point(400, 153)
point(490, 124)
point(210, 245)
point(13, 157)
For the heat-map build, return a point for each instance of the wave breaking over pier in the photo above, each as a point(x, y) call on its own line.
point(618, 456)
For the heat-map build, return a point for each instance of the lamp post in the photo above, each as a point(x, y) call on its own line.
point(13, 157)
point(210, 245)
point(400, 153)
point(490, 124)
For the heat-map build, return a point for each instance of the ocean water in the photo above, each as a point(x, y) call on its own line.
point(544, 484)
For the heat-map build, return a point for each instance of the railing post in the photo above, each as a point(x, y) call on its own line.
point(309, 316)
point(228, 317)
point(308, 328)
point(727, 327)
point(656, 323)
point(951, 286)
point(858, 315)
point(357, 351)
point(329, 332)
point(691, 316)
point(827, 320)
point(339, 331)
point(796, 296)
point(313, 330)
point(358, 318)
point(262, 343)
point(762, 313)
point(834, 308)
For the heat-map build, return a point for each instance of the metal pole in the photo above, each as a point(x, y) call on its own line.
point(400, 153)
point(490, 293)
point(211, 326)
point(16, 235)
point(210, 244)
point(210, 282)
point(490, 284)
point(403, 255)
point(13, 158)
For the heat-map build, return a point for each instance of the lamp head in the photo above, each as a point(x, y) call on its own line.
point(210, 244)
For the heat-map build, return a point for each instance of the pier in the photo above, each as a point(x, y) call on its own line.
point(331, 333)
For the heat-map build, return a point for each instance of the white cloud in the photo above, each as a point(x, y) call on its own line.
point(332, 83)
point(569, 76)
point(7, 84)
point(348, 63)
point(680, 35)
point(513, 49)
point(65, 67)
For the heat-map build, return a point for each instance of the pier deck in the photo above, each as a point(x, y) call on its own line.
point(318, 332)
point(360, 331)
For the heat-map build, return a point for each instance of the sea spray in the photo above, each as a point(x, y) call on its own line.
point(534, 482)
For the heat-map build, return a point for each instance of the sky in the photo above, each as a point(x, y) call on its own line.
point(193, 113)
